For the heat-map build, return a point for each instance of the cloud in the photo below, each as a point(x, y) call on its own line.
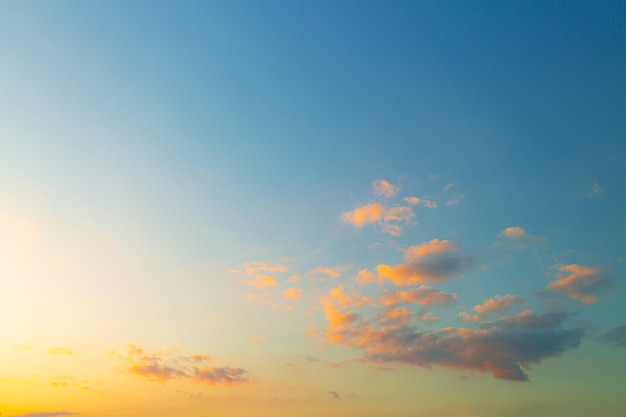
point(292, 293)
point(365, 277)
point(255, 339)
point(423, 296)
point(167, 366)
point(262, 282)
point(331, 271)
point(615, 337)
point(496, 304)
point(384, 188)
point(506, 348)
point(429, 262)
point(360, 216)
point(250, 269)
point(455, 200)
point(447, 187)
point(420, 201)
point(582, 283)
point(378, 214)
point(293, 279)
point(515, 237)
point(596, 190)
point(46, 414)
point(335, 395)
point(60, 351)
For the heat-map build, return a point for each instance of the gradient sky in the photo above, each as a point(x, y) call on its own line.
point(279, 208)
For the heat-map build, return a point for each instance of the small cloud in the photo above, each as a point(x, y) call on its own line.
point(447, 187)
point(335, 395)
point(582, 283)
point(331, 271)
point(429, 204)
point(514, 237)
point(250, 269)
point(455, 200)
point(496, 304)
point(293, 279)
point(360, 216)
point(165, 365)
point(385, 188)
point(255, 339)
point(292, 293)
point(615, 337)
point(375, 245)
point(378, 214)
point(60, 351)
point(365, 277)
point(596, 190)
point(414, 201)
point(354, 396)
point(262, 282)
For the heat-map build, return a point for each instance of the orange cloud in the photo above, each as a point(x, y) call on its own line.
point(414, 201)
point(582, 283)
point(292, 293)
point(360, 216)
point(254, 339)
point(385, 188)
point(423, 296)
point(379, 214)
point(432, 247)
point(429, 262)
point(165, 366)
point(331, 271)
point(364, 277)
point(262, 282)
point(505, 348)
point(493, 305)
point(514, 231)
point(293, 279)
point(250, 269)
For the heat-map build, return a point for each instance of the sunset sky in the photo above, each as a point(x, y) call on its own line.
point(312, 208)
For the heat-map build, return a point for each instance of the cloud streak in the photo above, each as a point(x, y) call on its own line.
point(582, 283)
point(168, 366)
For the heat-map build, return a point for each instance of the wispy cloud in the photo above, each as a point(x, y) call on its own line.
point(335, 395)
point(261, 282)
point(414, 201)
point(385, 188)
point(497, 304)
point(615, 337)
point(250, 269)
point(595, 191)
point(386, 218)
point(454, 200)
point(331, 271)
point(423, 296)
point(582, 283)
point(166, 365)
point(60, 351)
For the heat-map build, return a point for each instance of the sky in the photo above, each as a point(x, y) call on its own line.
point(278, 208)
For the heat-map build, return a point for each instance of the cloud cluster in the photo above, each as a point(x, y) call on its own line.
point(496, 304)
point(582, 283)
point(428, 262)
point(506, 348)
point(167, 365)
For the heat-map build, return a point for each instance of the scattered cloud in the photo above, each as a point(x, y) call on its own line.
point(414, 201)
point(429, 262)
point(46, 414)
point(497, 304)
point(595, 191)
point(261, 282)
point(385, 188)
point(293, 279)
point(515, 237)
point(165, 365)
point(378, 214)
point(455, 200)
point(424, 296)
point(292, 293)
point(615, 337)
point(331, 271)
point(60, 351)
point(506, 348)
point(250, 269)
point(335, 395)
point(582, 283)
